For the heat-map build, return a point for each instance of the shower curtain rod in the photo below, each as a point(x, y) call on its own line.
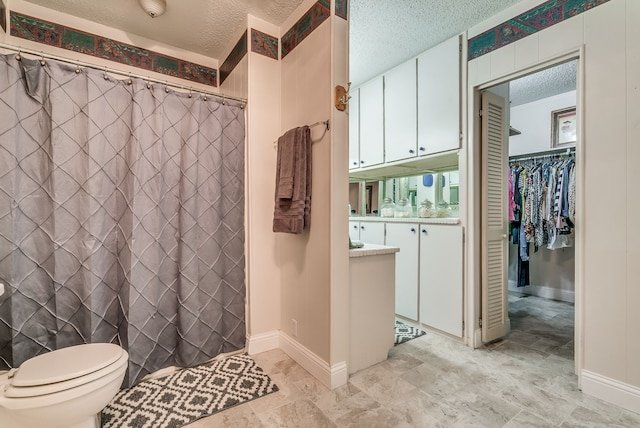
point(79, 63)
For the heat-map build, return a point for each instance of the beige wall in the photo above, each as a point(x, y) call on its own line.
point(263, 128)
point(300, 277)
point(606, 284)
point(304, 260)
point(339, 250)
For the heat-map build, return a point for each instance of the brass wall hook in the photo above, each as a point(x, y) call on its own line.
point(342, 97)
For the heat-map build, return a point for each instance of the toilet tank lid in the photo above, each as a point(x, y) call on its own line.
point(66, 363)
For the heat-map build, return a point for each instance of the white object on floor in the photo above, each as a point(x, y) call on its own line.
point(66, 388)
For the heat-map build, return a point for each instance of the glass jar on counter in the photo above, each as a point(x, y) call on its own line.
point(425, 210)
point(403, 208)
point(388, 207)
point(443, 210)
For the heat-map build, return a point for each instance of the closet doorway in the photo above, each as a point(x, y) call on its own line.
point(529, 142)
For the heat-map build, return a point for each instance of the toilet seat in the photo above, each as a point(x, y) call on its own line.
point(64, 369)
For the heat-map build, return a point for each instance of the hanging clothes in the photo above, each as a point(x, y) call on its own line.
point(541, 207)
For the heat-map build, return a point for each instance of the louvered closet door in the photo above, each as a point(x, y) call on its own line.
point(494, 217)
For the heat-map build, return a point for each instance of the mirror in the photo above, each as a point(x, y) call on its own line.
point(365, 197)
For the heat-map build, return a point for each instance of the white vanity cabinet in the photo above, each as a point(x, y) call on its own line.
point(370, 232)
point(441, 278)
point(371, 129)
point(400, 112)
point(354, 129)
point(439, 98)
point(406, 237)
point(354, 230)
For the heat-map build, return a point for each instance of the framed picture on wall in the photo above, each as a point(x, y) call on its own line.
point(563, 127)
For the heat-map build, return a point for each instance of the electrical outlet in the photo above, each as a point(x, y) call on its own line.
point(294, 327)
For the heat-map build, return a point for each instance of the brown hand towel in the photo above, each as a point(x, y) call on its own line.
point(286, 163)
point(292, 214)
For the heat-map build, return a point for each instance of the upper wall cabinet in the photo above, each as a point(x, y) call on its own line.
point(439, 98)
point(371, 123)
point(400, 112)
point(354, 129)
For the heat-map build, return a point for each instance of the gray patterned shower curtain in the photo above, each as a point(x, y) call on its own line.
point(121, 217)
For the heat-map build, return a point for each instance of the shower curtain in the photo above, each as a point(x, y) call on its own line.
point(121, 217)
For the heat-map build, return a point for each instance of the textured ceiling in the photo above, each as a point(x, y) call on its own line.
point(385, 33)
point(202, 26)
point(546, 83)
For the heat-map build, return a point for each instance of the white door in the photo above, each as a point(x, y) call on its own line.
point(400, 112)
point(354, 230)
point(354, 129)
point(372, 232)
point(439, 98)
point(441, 278)
point(494, 131)
point(372, 123)
point(405, 236)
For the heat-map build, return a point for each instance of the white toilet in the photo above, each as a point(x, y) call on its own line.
point(66, 388)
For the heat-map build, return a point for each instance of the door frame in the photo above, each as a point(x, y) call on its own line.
point(472, 164)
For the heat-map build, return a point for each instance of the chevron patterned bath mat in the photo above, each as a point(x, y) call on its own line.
point(187, 395)
point(405, 332)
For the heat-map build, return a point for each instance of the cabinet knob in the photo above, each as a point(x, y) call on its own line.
point(355, 163)
point(504, 236)
point(355, 227)
point(422, 149)
point(413, 229)
point(362, 227)
point(412, 151)
point(361, 161)
point(424, 231)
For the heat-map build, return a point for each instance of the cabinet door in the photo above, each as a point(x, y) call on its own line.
point(354, 129)
point(372, 232)
point(439, 98)
point(405, 236)
point(400, 112)
point(441, 278)
point(371, 123)
point(354, 230)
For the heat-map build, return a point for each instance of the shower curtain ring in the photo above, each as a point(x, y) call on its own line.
point(190, 93)
point(18, 56)
point(42, 62)
point(106, 77)
point(204, 96)
point(166, 86)
point(148, 83)
point(78, 67)
point(129, 81)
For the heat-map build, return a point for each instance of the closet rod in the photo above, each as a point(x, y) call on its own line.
point(545, 154)
point(78, 63)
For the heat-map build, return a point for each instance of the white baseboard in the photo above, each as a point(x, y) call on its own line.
point(545, 292)
point(263, 342)
point(477, 338)
point(611, 390)
point(331, 376)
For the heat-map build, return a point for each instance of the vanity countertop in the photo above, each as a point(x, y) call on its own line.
point(419, 220)
point(372, 250)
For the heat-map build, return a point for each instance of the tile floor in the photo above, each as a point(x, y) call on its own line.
point(526, 380)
